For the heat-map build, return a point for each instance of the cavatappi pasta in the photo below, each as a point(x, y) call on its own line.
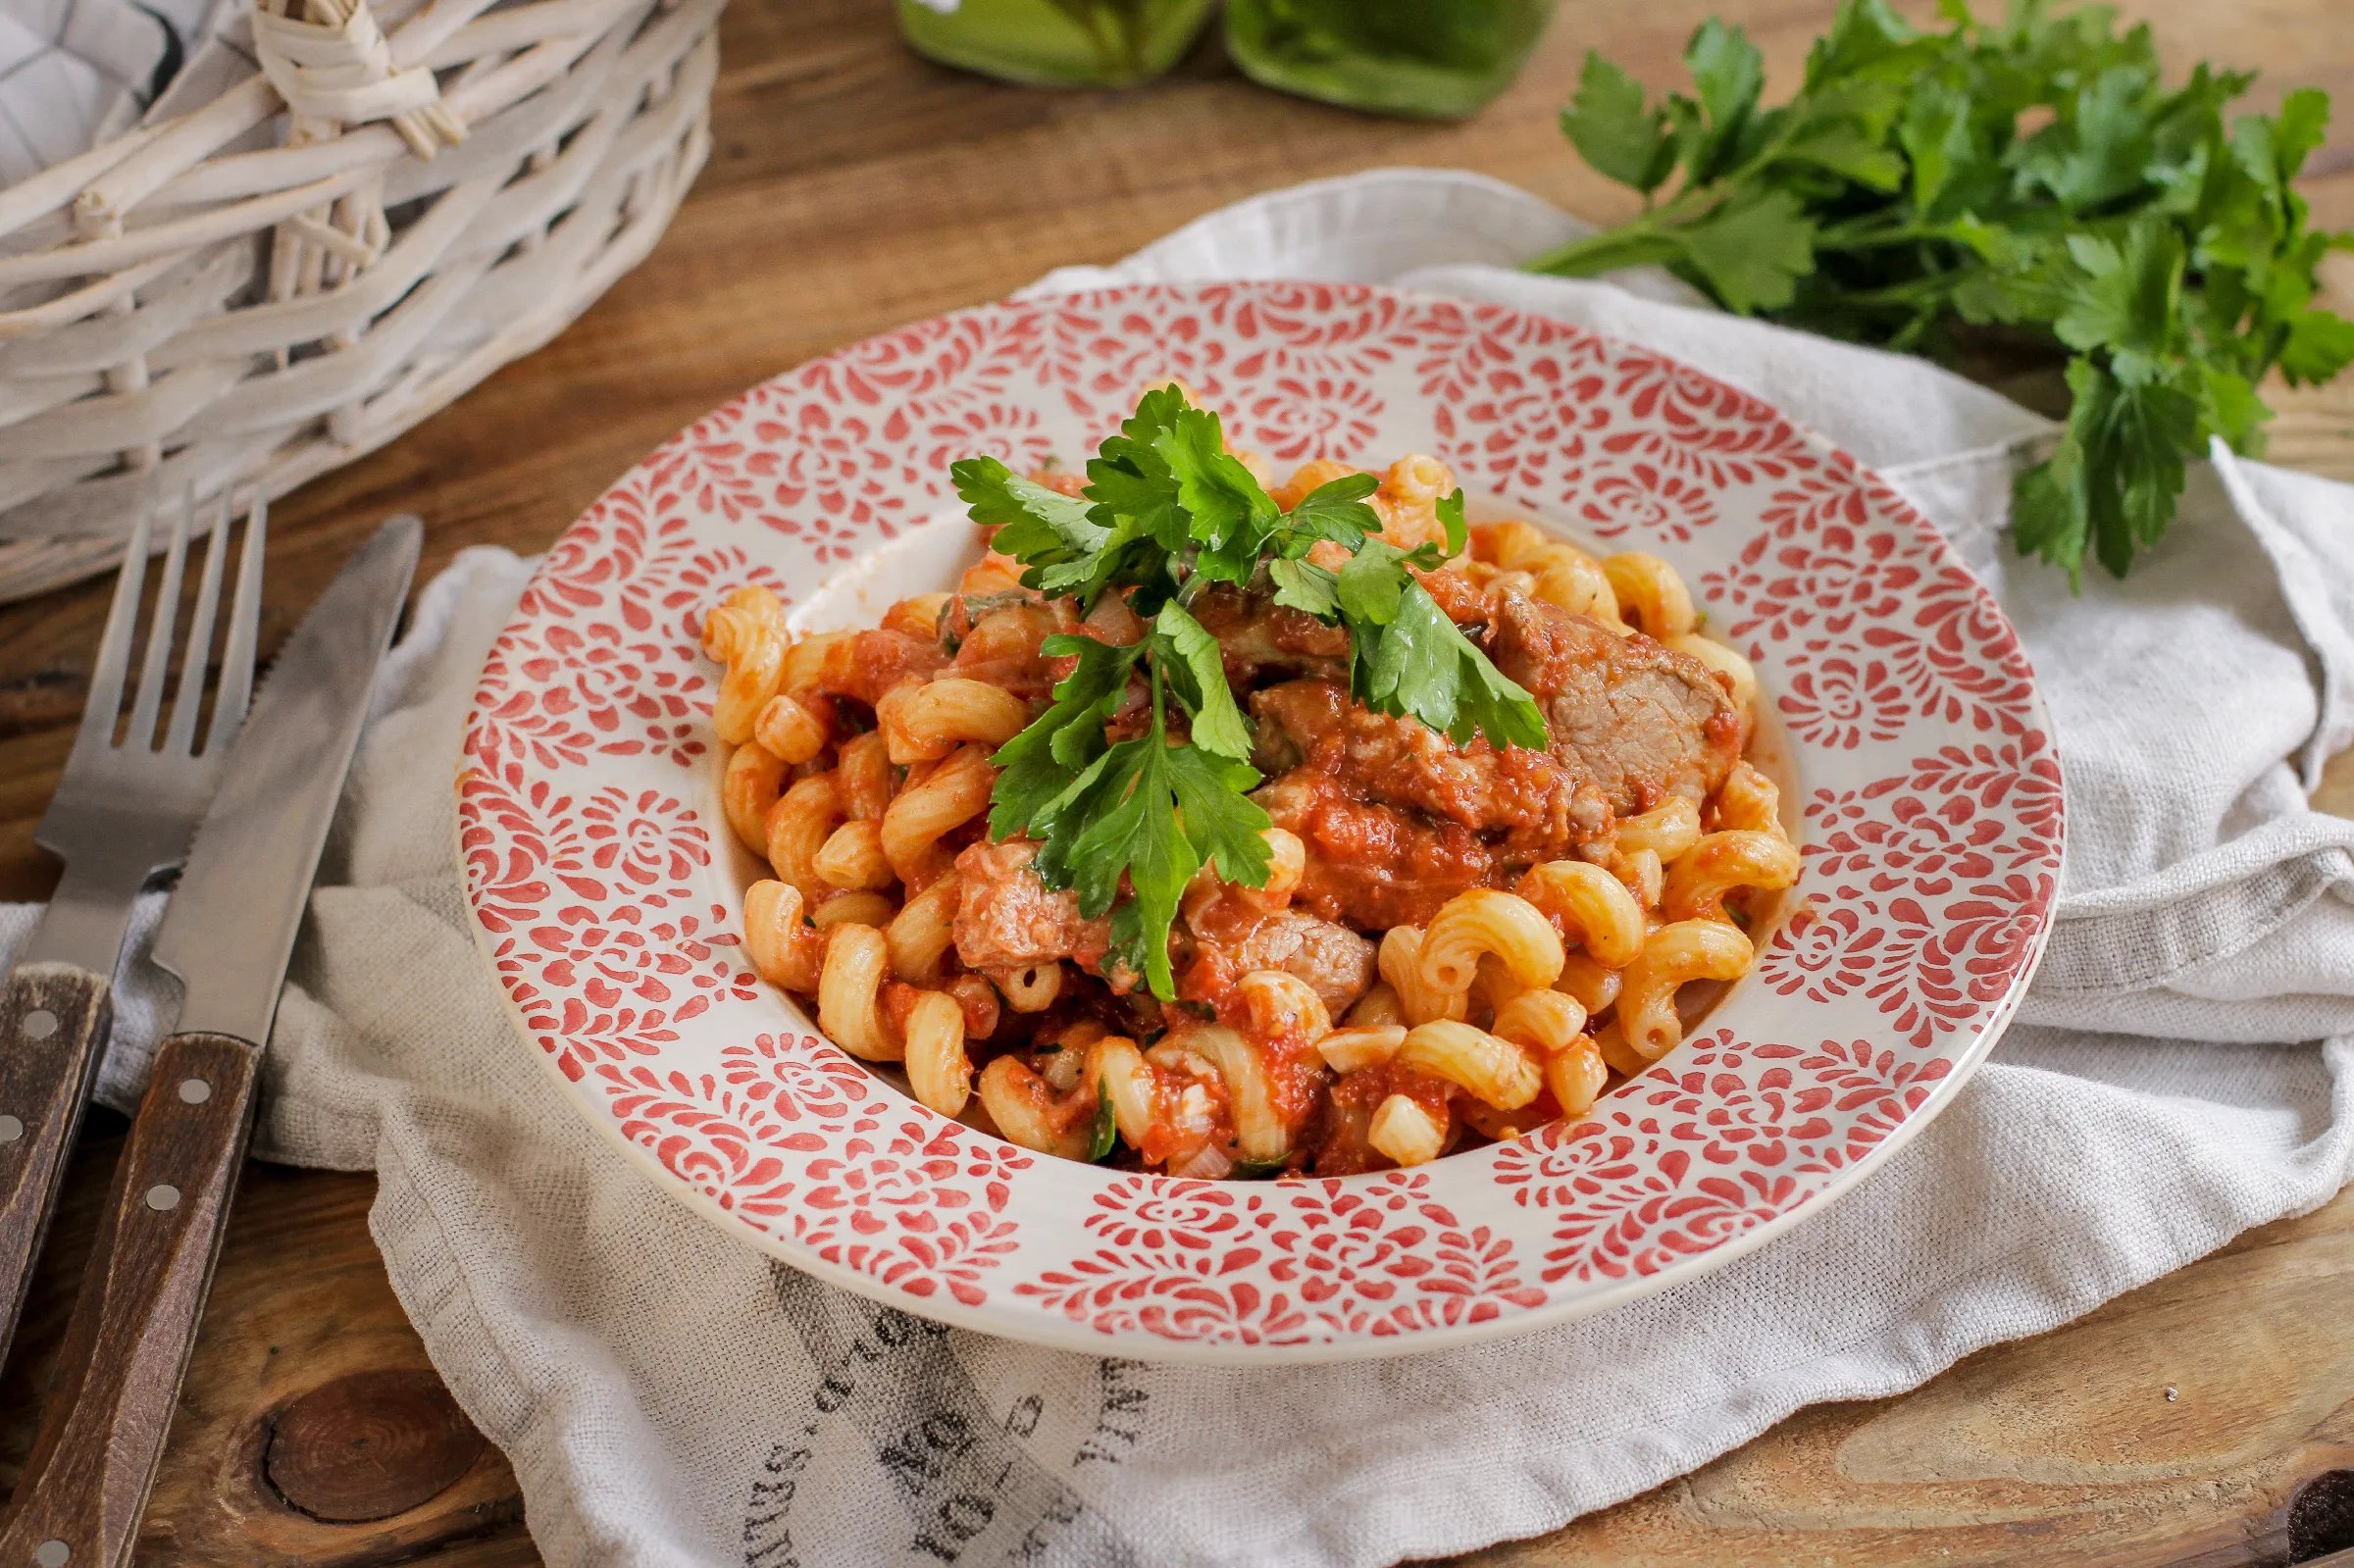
point(1454, 944)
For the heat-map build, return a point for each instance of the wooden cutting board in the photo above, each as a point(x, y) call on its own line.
point(2200, 1418)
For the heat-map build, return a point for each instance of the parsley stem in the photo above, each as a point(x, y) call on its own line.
point(1638, 242)
point(1648, 238)
point(1909, 292)
point(1863, 235)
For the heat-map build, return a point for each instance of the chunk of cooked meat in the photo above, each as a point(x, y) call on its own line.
point(868, 663)
point(1528, 804)
point(1642, 721)
point(1000, 644)
point(1262, 638)
point(1336, 962)
point(1008, 919)
point(1372, 866)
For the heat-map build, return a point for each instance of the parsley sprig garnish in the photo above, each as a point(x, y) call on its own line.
point(1168, 511)
point(2031, 181)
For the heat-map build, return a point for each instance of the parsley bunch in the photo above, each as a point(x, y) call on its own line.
point(1168, 511)
point(2032, 178)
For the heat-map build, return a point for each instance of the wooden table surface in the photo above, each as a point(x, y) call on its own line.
point(2207, 1418)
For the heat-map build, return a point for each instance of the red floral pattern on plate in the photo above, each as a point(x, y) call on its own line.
point(1931, 886)
point(917, 1203)
point(1927, 799)
point(1645, 499)
point(1383, 1258)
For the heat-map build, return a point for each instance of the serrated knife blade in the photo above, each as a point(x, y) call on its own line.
point(231, 925)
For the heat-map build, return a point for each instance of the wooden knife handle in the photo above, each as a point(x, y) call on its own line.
point(126, 1345)
point(54, 1020)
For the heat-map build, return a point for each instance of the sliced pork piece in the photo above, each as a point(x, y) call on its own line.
point(1639, 720)
point(1008, 918)
point(870, 663)
point(1000, 644)
point(1265, 640)
point(1336, 962)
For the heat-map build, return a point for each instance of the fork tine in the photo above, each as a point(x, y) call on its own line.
point(196, 663)
point(244, 623)
point(159, 632)
point(114, 648)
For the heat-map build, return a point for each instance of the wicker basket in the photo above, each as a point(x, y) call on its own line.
point(334, 246)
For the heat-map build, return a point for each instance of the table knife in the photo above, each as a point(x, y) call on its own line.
point(227, 934)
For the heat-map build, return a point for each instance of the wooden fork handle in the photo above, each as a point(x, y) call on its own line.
point(54, 1020)
point(126, 1344)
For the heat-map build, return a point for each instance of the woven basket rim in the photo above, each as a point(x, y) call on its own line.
point(374, 210)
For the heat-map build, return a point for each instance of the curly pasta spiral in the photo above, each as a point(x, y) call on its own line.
point(1748, 800)
point(1651, 595)
point(747, 791)
point(850, 994)
point(783, 949)
point(793, 730)
point(1278, 1003)
point(1405, 1131)
point(803, 818)
point(1677, 954)
point(921, 934)
point(1483, 921)
point(952, 796)
point(745, 634)
point(1553, 1026)
point(1028, 1111)
point(938, 1066)
point(1260, 1130)
point(1399, 960)
point(1492, 1070)
point(924, 720)
point(1116, 1070)
point(1720, 862)
point(1588, 900)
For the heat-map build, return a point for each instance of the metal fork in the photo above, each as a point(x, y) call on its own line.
point(124, 810)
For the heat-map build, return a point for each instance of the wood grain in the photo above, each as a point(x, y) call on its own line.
point(2174, 1425)
point(370, 1445)
point(853, 188)
point(300, 1303)
point(140, 1300)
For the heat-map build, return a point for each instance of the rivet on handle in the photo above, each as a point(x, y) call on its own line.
point(39, 1024)
point(163, 1197)
point(10, 1129)
point(52, 1554)
point(194, 1091)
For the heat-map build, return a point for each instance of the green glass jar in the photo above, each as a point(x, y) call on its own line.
point(1056, 43)
point(1428, 59)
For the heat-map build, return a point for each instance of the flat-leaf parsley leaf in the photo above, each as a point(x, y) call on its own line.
point(1167, 510)
point(1986, 185)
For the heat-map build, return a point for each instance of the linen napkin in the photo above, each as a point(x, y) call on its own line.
point(2184, 1069)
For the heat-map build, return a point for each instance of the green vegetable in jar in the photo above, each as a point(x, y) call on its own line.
point(1429, 59)
point(1055, 43)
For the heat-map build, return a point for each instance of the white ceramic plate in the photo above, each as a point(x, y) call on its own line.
point(1920, 779)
